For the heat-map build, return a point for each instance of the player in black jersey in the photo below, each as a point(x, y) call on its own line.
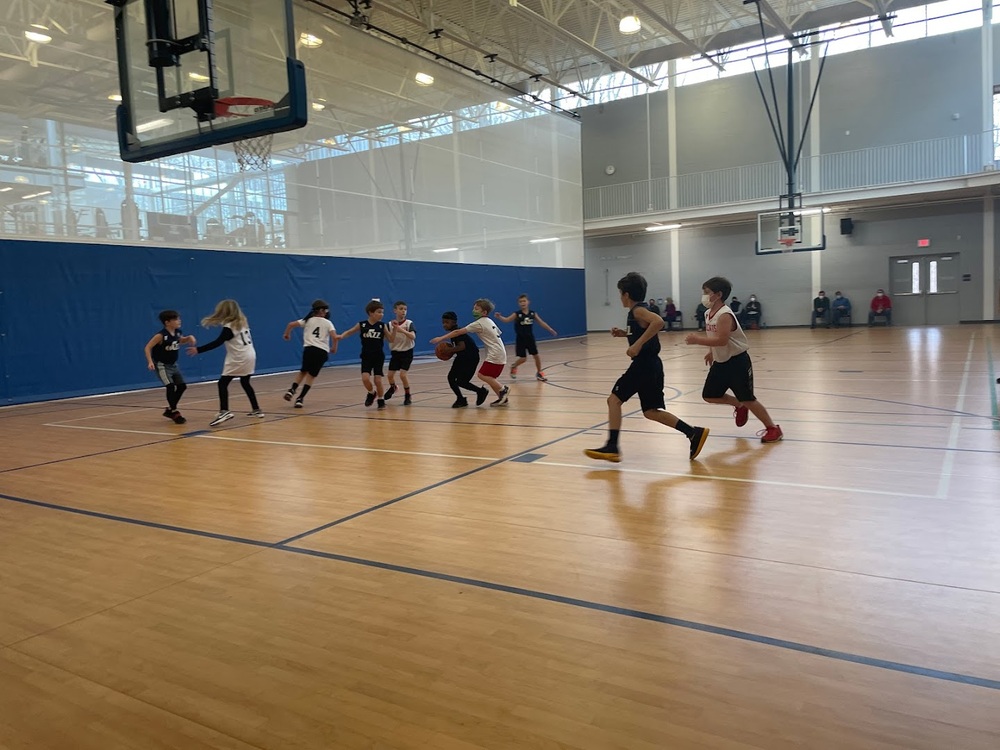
point(463, 365)
point(373, 337)
point(161, 356)
point(644, 376)
point(524, 336)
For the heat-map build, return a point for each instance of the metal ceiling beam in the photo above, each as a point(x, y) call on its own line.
point(882, 8)
point(675, 32)
point(568, 36)
point(776, 20)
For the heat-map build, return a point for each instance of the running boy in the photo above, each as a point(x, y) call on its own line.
point(496, 355)
point(401, 352)
point(644, 376)
point(241, 357)
point(319, 339)
point(524, 336)
point(161, 356)
point(463, 365)
point(730, 360)
point(373, 335)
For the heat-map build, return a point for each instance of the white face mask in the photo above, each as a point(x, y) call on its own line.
point(706, 300)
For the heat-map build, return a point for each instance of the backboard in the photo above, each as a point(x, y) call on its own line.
point(198, 73)
point(790, 231)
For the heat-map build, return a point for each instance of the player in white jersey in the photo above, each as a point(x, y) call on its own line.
point(496, 355)
point(241, 357)
point(401, 352)
point(319, 339)
point(731, 368)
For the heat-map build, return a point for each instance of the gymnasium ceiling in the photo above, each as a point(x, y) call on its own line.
point(526, 44)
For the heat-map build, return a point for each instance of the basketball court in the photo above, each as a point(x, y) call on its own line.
point(429, 577)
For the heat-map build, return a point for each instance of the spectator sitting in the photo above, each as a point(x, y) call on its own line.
point(735, 305)
point(821, 310)
point(653, 307)
point(753, 314)
point(841, 308)
point(670, 314)
point(881, 305)
point(699, 315)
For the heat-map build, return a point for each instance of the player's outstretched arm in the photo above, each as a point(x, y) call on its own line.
point(506, 318)
point(545, 325)
point(450, 335)
point(349, 332)
point(288, 329)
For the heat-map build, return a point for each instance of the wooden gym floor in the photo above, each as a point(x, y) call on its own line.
point(454, 579)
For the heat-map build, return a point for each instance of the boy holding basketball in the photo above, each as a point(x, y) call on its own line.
point(644, 376)
point(373, 332)
point(524, 336)
point(463, 366)
point(161, 356)
point(496, 355)
point(401, 352)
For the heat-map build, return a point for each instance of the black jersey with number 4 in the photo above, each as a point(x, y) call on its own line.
point(634, 331)
point(166, 350)
point(524, 326)
point(372, 338)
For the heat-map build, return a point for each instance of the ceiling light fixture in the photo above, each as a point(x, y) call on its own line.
point(630, 24)
point(446, 249)
point(310, 40)
point(115, 97)
point(145, 127)
point(36, 195)
point(662, 227)
point(543, 240)
point(424, 79)
point(37, 36)
point(199, 77)
point(318, 106)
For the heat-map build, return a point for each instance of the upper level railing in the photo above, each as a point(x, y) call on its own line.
point(919, 161)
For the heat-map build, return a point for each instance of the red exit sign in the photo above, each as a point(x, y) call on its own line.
point(923, 243)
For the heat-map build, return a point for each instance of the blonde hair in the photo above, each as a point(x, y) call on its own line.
point(486, 305)
point(227, 313)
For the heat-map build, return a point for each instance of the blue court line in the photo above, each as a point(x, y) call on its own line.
point(546, 596)
point(166, 439)
point(136, 521)
point(528, 458)
point(742, 635)
point(993, 386)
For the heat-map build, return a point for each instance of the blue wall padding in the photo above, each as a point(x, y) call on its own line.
point(75, 317)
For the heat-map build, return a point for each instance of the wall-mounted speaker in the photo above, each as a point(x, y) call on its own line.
point(846, 225)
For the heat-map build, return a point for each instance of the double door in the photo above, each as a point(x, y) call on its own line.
point(924, 289)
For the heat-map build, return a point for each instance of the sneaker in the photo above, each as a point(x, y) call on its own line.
point(381, 404)
point(771, 434)
point(741, 413)
point(513, 373)
point(289, 394)
point(178, 419)
point(370, 399)
point(604, 453)
point(541, 376)
point(256, 413)
point(459, 403)
point(502, 398)
point(698, 438)
point(406, 400)
point(481, 396)
point(299, 403)
point(168, 413)
point(222, 416)
point(389, 393)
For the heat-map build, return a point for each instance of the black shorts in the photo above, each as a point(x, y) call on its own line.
point(525, 346)
point(313, 359)
point(644, 377)
point(734, 374)
point(373, 364)
point(462, 370)
point(400, 360)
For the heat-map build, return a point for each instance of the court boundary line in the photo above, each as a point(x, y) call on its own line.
point(955, 429)
point(612, 609)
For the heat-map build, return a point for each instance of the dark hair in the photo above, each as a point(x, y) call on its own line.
point(634, 285)
point(373, 306)
point(449, 315)
point(720, 285)
point(821, 291)
point(486, 305)
point(400, 303)
point(317, 305)
point(169, 315)
point(521, 297)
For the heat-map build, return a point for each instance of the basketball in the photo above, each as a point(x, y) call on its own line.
point(445, 350)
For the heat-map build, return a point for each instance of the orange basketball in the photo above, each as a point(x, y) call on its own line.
point(445, 350)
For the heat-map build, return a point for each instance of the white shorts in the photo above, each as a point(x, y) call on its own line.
point(239, 368)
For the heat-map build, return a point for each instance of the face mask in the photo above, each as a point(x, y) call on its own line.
point(706, 300)
point(822, 296)
point(753, 299)
point(880, 294)
point(476, 313)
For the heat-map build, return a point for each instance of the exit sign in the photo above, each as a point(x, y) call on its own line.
point(923, 243)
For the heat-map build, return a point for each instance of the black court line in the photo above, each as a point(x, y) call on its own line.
point(546, 596)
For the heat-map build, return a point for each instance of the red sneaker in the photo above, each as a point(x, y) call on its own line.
point(771, 434)
point(742, 414)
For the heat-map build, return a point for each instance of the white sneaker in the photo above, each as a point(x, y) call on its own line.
point(222, 416)
point(502, 398)
point(256, 413)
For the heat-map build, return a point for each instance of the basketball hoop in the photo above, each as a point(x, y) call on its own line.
point(254, 153)
point(786, 244)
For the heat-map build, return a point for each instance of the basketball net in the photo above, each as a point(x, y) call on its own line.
point(786, 244)
point(252, 154)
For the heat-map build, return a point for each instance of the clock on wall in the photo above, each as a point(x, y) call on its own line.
point(610, 169)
